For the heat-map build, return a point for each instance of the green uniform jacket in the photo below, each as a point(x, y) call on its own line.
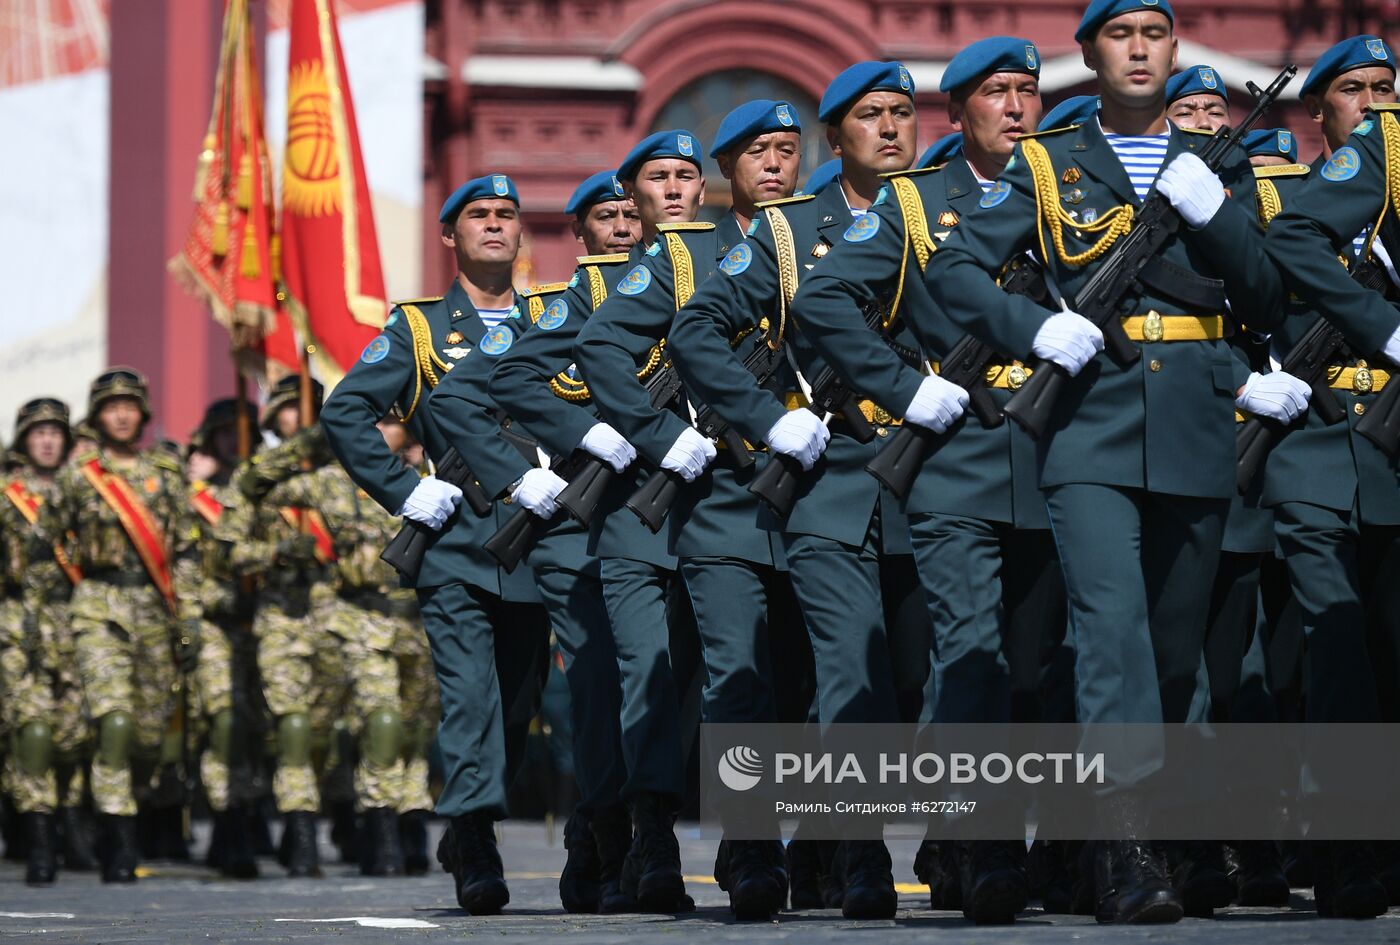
point(468, 418)
point(1168, 430)
point(524, 382)
point(388, 375)
point(715, 515)
point(1332, 466)
point(836, 497)
point(986, 474)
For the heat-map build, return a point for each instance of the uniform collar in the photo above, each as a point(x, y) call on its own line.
point(959, 180)
point(728, 234)
point(833, 213)
point(461, 313)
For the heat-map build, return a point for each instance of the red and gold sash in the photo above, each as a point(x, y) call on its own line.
point(28, 504)
point(208, 507)
point(315, 527)
point(140, 526)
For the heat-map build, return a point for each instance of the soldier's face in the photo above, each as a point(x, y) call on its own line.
point(878, 132)
point(1206, 112)
point(287, 420)
point(120, 419)
point(1133, 54)
point(764, 167)
point(44, 445)
point(1003, 106)
point(1343, 106)
point(609, 227)
point(201, 467)
point(485, 232)
point(667, 190)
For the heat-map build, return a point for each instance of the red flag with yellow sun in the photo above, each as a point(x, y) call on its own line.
point(330, 256)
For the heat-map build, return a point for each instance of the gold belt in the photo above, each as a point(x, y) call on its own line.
point(1359, 380)
point(872, 411)
point(1002, 376)
point(1155, 327)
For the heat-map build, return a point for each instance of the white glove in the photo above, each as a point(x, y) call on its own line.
point(431, 502)
point(608, 445)
point(689, 455)
point(1279, 396)
point(537, 490)
point(1192, 188)
point(1392, 347)
point(937, 404)
point(801, 435)
point(1069, 339)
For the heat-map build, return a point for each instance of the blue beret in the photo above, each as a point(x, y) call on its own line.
point(1354, 53)
point(1277, 142)
point(492, 186)
point(941, 151)
point(752, 119)
point(1075, 110)
point(599, 188)
point(993, 54)
point(1195, 80)
point(676, 143)
point(858, 80)
point(822, 176)
point(1101, 11)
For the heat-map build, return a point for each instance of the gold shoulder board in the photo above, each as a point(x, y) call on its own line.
point(602, 260)
point(696, 227)
point(781, 201)
point(1281, 170)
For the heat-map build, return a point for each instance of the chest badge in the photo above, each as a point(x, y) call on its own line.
point(947, 218)
point(1072, 196)
point(1363, 381)
point(455, 338)
point(1070, 176)
point(1152, 327)
point(456, 313)
point(457, 354)
point(820, 250)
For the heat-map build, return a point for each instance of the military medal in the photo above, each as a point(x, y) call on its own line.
point(455, 338)
point(820, 250)
point(1070, 176)
point(947, 218)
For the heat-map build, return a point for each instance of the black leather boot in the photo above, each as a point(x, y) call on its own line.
point(579, 888)
point(476, 864)
point(299, 844)
point(42, 863)
point(755, 892)
point(611, 829)
point(1345, 883)
point(413, 836)
point(237, 860)
point(121, 851)
point(1200, 877)
point(1258, 874)
point(660, 887)
point(869, 883)
point(381, 854)
point(804, 864)
point(993, 881)
point(1057, 860)
point(936, 866)
point(1132, 882)
point(79, 854)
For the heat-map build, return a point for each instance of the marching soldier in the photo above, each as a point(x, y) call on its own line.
point(42, 710)
point(486, 629)
point(124, 520)
point(1137, 461)
point(599, 833)
point(1332, 490)
point(837, 537)
point(977, 502)
point(288, 554)
point(227, 674)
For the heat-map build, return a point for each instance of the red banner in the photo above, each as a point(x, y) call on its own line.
point(230, 255)
point(330, 256)
point(140, 526)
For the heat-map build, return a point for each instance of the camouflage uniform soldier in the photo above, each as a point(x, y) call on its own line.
point(124, 519)
point(226, 681)
point(270, 544)
point(42, 711)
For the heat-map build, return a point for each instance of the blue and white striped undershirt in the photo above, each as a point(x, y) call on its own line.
point(1141, 156)
point(491, 317)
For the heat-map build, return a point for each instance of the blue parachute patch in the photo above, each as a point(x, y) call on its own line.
point(865, 226)
point(636, 281)
point(377, 350)
point(555, 315)
point(497, 341)
point(999, 192)
point(1344, 165)
point(737, 260)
